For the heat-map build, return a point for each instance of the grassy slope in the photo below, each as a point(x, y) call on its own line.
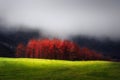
point(40, 69)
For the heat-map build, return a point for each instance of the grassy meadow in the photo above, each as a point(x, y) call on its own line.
point(44, 69)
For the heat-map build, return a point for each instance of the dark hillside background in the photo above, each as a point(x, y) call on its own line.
point(106, 46)
point(10, 39)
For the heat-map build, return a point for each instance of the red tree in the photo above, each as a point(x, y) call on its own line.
point(20, 50)
point(55, 49)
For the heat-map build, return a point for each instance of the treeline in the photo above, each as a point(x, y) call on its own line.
point(56, 49)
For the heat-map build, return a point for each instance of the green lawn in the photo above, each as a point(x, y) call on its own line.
point(41, 69)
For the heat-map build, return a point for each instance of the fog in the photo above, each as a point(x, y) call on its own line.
point(64, 18)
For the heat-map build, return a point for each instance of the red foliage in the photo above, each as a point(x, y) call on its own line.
point(20, 50)
point(55, 49)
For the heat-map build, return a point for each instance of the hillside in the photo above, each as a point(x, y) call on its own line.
point(41, 69)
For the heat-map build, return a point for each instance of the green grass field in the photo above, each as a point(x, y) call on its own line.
point(41, 69)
